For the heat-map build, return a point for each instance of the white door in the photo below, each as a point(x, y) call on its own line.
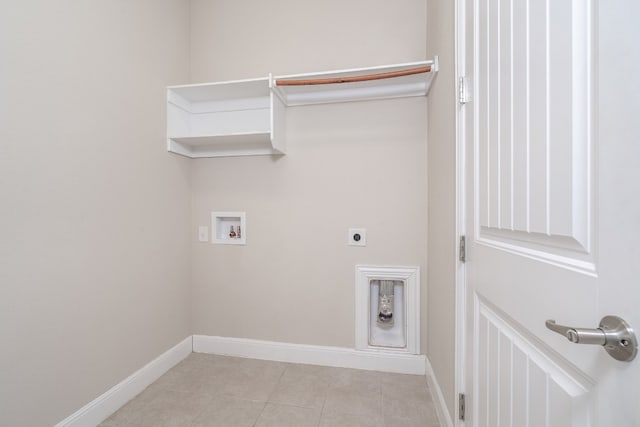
point(552, 194)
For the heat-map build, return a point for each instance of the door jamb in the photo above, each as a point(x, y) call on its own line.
point(460, 273)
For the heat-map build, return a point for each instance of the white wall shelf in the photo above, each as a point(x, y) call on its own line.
point(384, 88)
point(234, 118)
point(247, 117)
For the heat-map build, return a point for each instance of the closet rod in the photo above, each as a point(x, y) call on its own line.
point(353, 79)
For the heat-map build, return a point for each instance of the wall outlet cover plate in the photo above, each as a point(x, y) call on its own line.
point(357, 237)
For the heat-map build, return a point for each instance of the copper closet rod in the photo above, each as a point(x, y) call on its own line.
point(353, 79)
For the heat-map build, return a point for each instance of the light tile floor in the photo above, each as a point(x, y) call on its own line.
point(207, 390)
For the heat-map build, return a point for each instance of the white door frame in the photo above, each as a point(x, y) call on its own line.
point(461, 218)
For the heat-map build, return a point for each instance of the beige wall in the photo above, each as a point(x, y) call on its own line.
point(243, 39)
point(94, 214)
point(98, 222)
point(348, 165)
point(442, 199)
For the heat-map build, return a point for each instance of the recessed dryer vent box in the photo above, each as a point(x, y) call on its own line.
point(228, 228)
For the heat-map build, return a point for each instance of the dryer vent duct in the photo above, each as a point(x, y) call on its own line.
point(385, 303)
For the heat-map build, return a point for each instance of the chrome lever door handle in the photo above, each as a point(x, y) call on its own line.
point(614, 334)
point(579, 335)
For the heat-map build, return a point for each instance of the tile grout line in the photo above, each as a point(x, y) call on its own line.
point(277, 383)
point(259, 415)
point(324, 401)
point(381, 401)
point(268, 400)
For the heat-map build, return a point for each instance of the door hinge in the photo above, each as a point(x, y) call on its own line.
point(462, 249)
point(462, 90)
point(461, 406)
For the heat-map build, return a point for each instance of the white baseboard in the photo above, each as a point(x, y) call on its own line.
point(103, 406)
point(311, 354)
point(438, 398)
